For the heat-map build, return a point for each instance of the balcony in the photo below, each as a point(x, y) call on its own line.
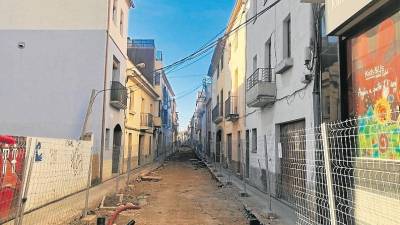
point(231, 108)
point(118, 95)
point(260, 88)
point(216, 114)
point(157, 121)
point(146, 121)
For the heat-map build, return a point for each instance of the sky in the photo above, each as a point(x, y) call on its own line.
point(179, 27)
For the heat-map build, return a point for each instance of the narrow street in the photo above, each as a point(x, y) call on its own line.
point(187, 194)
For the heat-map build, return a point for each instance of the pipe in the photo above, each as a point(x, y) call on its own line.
point(119, 210)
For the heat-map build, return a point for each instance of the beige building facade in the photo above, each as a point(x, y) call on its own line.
point(140, 127)
point(228, 88)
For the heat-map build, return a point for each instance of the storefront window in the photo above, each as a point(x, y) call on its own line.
point(330, 76)
point(373, 78)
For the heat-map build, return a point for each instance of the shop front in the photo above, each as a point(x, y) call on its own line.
point(370, 82)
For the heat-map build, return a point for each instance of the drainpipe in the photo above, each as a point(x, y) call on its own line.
point(103, 121)
point(317, 70)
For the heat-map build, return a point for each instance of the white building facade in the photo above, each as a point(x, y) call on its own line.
point(57, 57)
point(279, 89)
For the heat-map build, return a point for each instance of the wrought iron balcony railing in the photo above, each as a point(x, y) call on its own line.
point(216, 114)
point(260, 88)
point(260, 75)
point(118, 95)
point(146, 120)
point(231, 108)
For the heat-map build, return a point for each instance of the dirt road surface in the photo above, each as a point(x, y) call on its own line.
point(186, 195)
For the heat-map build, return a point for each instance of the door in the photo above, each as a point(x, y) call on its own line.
point(229, 148)
point(129, 152)
point(292, 163)
point(247, 153)
point(208, 143)
point(218, 146)
point(239, 152)
point(140, 150)
point(116, 154)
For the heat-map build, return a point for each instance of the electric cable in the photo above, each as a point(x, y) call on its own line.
point(203, 49)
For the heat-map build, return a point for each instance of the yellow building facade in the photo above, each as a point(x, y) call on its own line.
point(229, 92)
point(140, 130)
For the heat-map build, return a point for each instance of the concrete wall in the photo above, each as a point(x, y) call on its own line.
point(60, 167)
point(47, 84)
point(270, 26)
point(119, 35)
point(113, 116)
point(53, 15)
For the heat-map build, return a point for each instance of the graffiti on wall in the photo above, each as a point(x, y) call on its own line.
point(375, 69)
point(77, 160)
point(12, 156)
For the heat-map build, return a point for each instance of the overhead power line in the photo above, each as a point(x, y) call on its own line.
point(214, 41)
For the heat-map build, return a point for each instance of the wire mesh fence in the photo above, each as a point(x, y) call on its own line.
point(12, 166)
point(345, 172)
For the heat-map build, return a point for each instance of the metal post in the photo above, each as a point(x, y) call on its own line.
point(328, 170)
point(229, 182)
point(23, 181)
point(243, 156)
point(268, 177)
point(220, 157)
point(26, 188)
point(129, 170)
point(88, 112)
point(89, 177)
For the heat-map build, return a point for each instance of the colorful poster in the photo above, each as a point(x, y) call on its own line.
point(12, 156)
point(375, 71)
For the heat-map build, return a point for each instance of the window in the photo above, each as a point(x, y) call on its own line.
point(222, 60)
point(230, 52)
point(107, 140)
point(131, 102)
point(217, 71)
point(114, 11)
point(254, 140)
point(142, 106)
point(157, 77)
point(254, 63)
point(286, 38)
point(221, 105)
point(121, 24)
point(267, 56)
point(150, 145)
point(115, 69)
point(159, 108)
point(235, 40)
point(236, 83)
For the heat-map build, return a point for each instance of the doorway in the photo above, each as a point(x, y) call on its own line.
point(293, 145)
point(140, 150)
point(129, 165)
point(117, 139)
point(239, 152)
point(247, 172)
point(229, 148)
point(218, 146)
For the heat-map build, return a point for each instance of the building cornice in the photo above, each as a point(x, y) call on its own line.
point(137, 77)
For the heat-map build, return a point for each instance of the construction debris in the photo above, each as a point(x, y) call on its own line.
point(119, 210)
point(151, 178)
point(111, 201)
